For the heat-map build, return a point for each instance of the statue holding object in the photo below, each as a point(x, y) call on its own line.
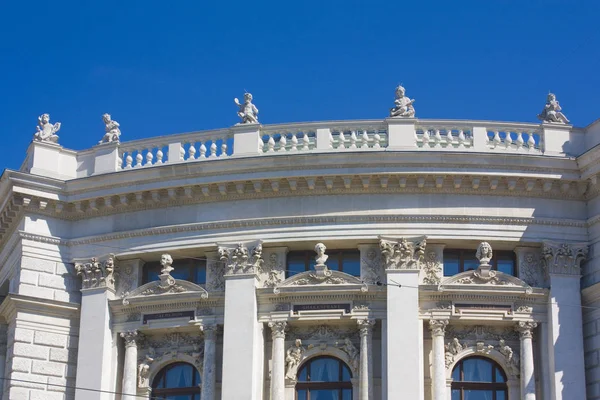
point(552, 111)
point(46, 132)
point(403, 105)
point(112, 130)
point(248, 112)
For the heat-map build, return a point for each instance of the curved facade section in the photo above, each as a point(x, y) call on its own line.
point(397, 248)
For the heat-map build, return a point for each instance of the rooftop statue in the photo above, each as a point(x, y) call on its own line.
point(112, 130)
point(403, 105)
point(551, 112)
point(248, 111)
point(46, 132)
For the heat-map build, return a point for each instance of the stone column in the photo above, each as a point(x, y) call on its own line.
point(565, 334)
point(209, 363)
point(438, 328)
point(527, 376)
point(129, 388)
point(366, 359)
point(278, 360)
point(404, 378)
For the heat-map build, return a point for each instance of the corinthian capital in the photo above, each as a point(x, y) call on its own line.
point(96, 274)
point(242, 258)
point(438, 326)
point(278, 329)
point(365, 326)
point(402, 253)
point(525, 328)
point(130, 338)
point(564, 258)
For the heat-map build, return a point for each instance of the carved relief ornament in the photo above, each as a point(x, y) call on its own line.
point(402, 253)
point(243, 258)
point(96, 274)
point(564, 258)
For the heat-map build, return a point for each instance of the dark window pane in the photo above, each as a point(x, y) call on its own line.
point(325, 370)
point(351, 263)
point(451, 264)
point(302, 375)
point(346, 375)
point(333, 262)
point(184, 269)
point(330, 394)
point(347, 394)
point(456, 394)
point(477, 370)
point(301, 394)
point(470, 262)
point(181, 272)
point(500, 395)
point(456, 373)
point(499, 377)
point(478, 394)
point(296, 263)
point(200, 277)
point(506, 264)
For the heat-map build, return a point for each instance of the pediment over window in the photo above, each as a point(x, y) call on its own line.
point(491, 278)
point(165, 287)
point(331, 279)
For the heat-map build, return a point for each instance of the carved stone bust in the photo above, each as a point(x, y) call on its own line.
point(484, 253)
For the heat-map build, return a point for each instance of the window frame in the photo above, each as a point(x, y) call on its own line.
point(193, 265)
point(164, 393)
point(493, 386)
point(493, 262)
point(309, 257)
point(308, 385)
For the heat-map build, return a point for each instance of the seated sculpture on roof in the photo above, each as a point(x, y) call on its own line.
point(403, 105)
point(552, 111)
point(248, 111)
point(46, 132)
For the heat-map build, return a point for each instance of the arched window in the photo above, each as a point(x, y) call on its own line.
point(324, 378)
point(178, 381)
point(478, 378)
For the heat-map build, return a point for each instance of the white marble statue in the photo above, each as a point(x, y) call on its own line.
point(292, 359)
point(46, 132)
point(248, 112)
point(166, 261)
point(551, 112)
point(352, 352)
point(144, 368)
point(484, 253)
point(403, 105)
point(112, 130)
point(321, 257)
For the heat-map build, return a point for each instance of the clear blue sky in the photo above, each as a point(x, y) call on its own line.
point(162, 67)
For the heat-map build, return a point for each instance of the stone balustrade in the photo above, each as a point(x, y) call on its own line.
point(248, 140)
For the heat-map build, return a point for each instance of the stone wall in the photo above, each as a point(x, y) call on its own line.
point(591, 334)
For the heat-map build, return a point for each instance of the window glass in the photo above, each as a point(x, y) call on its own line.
point(478, 378)
point(324, 378)
point(185, 269)
point(177, 381)
point(461, 260)
point(351, 263)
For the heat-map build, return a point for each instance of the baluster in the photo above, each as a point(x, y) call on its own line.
point(149, 157)
point(283, 142)
point(425, 138)
point(223, 149)
point(182, 152)
point(213, 149)
point(202, 151)
point(353, 140)
point(438, 138)
point(531, 141)
point(128, 160)
point(330, 140)
point(461, 138)
point(159, 156)
point(508, 139)
point(294, 142)
point(305, 141)
point(497, 139)
point(192, 151)
point(449, 138)
point(376, 140)
point(139, 158)
point(520, 140)
point(271, 144)
point(341, 140)
point(365, 140)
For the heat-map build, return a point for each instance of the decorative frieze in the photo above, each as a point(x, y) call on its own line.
point(402, 253)
point(144, 368)
point(96, 274)
point(243, 258)
point(433, 265)
point(564, 258)
point(215, 272)
point(452, 349)
point(274, 270)
point(350, 349)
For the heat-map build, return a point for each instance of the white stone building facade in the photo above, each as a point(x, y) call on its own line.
point(381, 259)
